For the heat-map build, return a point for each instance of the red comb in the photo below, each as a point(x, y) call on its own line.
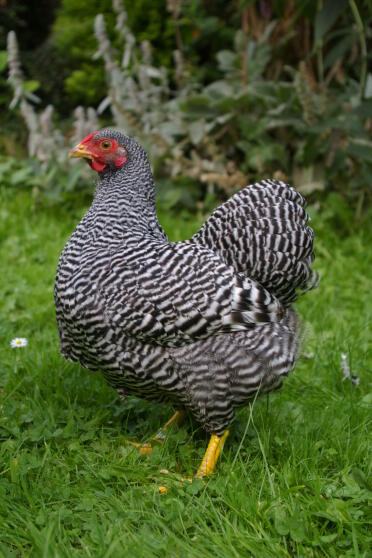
point(88, 138)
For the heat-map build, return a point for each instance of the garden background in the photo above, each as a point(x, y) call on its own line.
point(221, 94)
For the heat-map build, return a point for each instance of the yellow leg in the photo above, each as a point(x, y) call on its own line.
point(145, 449)
point(211, 455)
point(178, 418)
point(209, 460)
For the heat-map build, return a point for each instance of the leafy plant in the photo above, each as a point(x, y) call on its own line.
point(74, 39)
point(308, 121)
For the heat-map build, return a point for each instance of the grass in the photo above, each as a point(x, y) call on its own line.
point(295, 475)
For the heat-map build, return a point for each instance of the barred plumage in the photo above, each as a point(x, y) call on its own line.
point(205, 323)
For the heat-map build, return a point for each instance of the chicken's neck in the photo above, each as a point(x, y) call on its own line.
point(125, 200)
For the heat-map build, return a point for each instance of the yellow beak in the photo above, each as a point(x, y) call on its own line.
point(80, 150)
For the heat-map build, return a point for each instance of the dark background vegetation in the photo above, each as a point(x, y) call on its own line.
point(264, 88)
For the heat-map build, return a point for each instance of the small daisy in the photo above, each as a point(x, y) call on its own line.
point(18, 342)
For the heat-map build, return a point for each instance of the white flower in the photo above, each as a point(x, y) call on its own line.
point(18, 342)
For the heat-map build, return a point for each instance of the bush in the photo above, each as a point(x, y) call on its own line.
point(74, 39)
point(308, 122)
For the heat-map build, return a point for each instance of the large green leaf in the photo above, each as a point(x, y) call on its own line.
point(340, 49)
point(219, 89)
point(360, 149)
point(327, 16)
point(197, 130)
point(31, 85)
point(227, 60)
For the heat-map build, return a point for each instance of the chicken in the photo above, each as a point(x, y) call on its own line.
point(207, 323)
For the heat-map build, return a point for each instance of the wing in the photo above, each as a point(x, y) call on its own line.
point(262, 232)
point(172, 294)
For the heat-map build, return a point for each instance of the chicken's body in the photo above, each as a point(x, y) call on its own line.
point(204, 323)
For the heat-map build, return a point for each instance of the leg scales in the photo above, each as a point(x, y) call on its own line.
point(211, 455)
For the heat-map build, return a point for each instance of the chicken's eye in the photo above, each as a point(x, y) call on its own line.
point(106, 144)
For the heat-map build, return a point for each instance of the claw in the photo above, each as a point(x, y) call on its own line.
point(144, 449)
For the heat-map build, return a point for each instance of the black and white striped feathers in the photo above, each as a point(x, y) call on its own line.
point(204, 323)
point(262, 232)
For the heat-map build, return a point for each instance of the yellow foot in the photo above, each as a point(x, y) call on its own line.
point(211, 455)
point(177, 419)
point(146, 448)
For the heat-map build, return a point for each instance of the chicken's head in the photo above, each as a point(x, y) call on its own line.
point(101, 150)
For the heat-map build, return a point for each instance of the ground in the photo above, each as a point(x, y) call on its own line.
point(295, 475)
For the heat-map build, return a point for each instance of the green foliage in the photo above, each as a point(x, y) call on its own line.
point(286, 91)
point(49, 184)
point(85, 83)
point(5, 91)
point(309, 126)
point(3, 60)
point(294, 477)
point(73, 36)
point(8, 121)
point(327, 16)
point(12, 15)
point(318, 137)
point(74, 40)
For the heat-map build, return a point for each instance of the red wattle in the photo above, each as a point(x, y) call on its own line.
point(120, 160)
point(97, 166)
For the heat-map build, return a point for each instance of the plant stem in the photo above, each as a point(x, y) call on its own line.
point(363, 45)
point(319, 51)
point(319, 59)
point(245, 27)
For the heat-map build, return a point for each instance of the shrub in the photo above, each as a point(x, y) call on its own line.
point(308, 122)
point(74, 39)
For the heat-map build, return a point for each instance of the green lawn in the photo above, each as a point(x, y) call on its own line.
point(295, 475)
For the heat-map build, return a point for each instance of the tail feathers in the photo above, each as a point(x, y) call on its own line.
point(252, 304)
point(311, 283)
point(263, 232)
